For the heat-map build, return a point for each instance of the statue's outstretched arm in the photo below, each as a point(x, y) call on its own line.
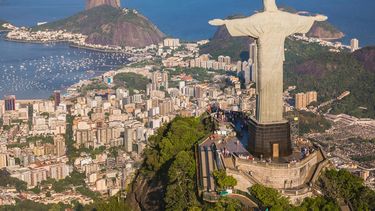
point(217, 22)
point(238, 27)
point(320, 18)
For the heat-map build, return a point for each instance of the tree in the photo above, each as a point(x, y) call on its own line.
point(6, 180)
point(223, 181)
point(317, 204)
point(270, 197)
point(48, 194)
point(113, 203)
point(342, 184)
point(224, 204)
point(169, 160)
point(181, 188)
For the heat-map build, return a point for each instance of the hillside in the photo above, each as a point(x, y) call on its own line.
point(224, 44)
point(312, 67)
point(95, 3)
point(236, 47)
point(325, 30)
point(367, 57)
point(106, 25)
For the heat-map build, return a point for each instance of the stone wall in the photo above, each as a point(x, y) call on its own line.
point(280, 176)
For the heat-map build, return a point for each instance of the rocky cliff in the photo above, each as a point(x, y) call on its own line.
point(326, 31)
point(107, 25)
point(146, 194)
point(323, 30)
point(95, 3)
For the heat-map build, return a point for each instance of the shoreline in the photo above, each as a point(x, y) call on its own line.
point(34, 41)
point(68, 42)
point(96, 49)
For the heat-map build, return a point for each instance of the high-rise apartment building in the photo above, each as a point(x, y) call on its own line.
point(301, 101)
point(10, 103)
point(354, 45)
point(57, 97)
point(311, 96)
point(59, 144)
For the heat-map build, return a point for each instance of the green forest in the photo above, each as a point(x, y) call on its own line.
point(338, 187)
point(132, 81)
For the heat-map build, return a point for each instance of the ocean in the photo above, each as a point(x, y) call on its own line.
point(35, 70)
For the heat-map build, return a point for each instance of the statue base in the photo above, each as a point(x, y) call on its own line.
point(271, 140)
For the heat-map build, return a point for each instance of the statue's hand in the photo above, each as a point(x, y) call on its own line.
point(217, 22)
point(321, 18)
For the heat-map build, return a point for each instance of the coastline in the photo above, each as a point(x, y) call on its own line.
point(68, 42)
point(35, 41)
point(72, 45)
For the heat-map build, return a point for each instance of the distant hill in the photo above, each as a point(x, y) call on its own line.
point(237, 47)
point(107, 25)
point(95, 3)
point(325, 30)
point(222, 43)
point(322, 30)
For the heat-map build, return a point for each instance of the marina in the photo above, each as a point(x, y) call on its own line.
point(35, 70)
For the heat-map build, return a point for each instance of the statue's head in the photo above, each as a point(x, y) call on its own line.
point(270, 6)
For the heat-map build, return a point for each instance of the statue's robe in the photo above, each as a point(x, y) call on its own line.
point(270, 29)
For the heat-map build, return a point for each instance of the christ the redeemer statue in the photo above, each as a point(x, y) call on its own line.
point(269, 28)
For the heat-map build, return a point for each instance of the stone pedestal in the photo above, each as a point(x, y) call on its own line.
point(269, 140)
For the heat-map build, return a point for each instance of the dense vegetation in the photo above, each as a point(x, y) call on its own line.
point(271, 198)
point(309, 122)
point(343, 185)
point(71, 152)
point(337, 187)
point(112, 204)
point(31, 139)
point(94, 85)
point(170, 160)
point(199, 74)
point(7, 181)
point(224, 181)
point(28, 205)
point(312, 67)
point(170, 157)
point(75, 179)
point(132, 81)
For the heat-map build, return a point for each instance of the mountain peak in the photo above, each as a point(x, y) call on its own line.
point(94, 3)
